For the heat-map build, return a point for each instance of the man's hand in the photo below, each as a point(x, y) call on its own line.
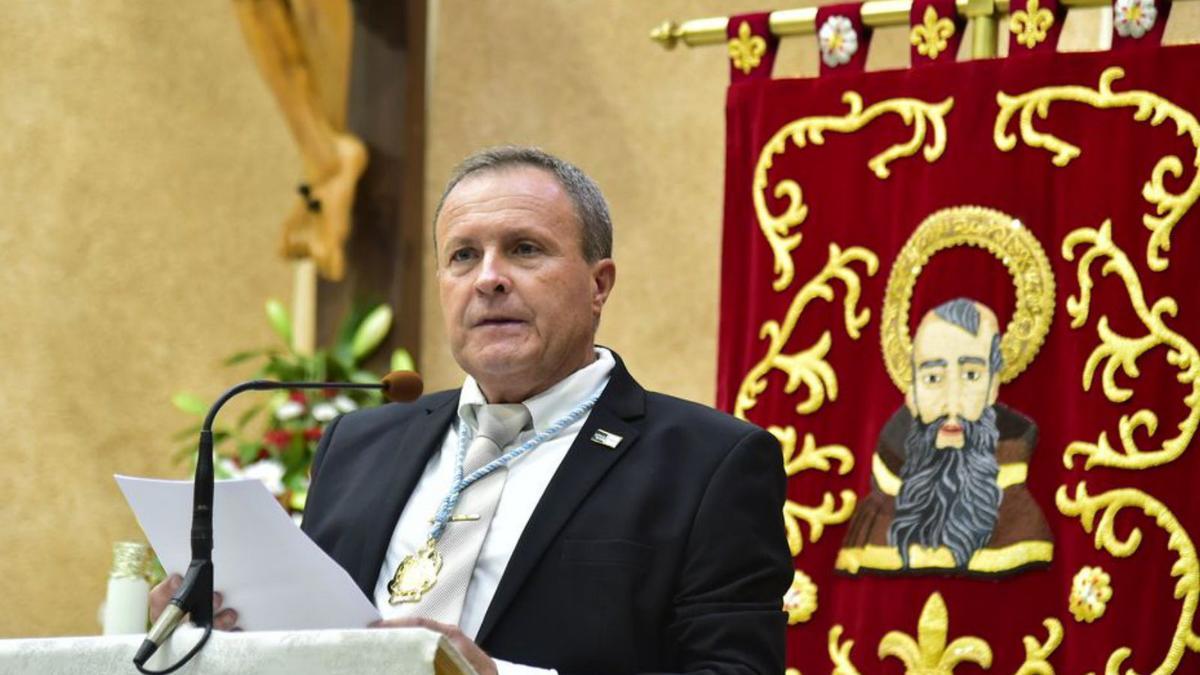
point(160, 596)
point(479, 660)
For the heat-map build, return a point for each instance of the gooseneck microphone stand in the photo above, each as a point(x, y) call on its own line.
point(195, 594)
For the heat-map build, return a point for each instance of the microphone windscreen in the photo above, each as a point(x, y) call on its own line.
point(402, 386)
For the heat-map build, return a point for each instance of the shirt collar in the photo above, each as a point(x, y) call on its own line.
point(554, 403)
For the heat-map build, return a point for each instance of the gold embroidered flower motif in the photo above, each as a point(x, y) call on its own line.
point(1090, 593)
point(746, 50)
point(800, 601)
point(838, 41)
point(1031, 24)
point(931, 35)
point(1134, 18)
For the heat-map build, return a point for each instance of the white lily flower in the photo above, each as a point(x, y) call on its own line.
point(289, 411)
point(269, 471)
point(323, 412)
point(345, 404)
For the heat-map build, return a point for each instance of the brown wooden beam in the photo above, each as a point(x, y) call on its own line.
point(386, 109)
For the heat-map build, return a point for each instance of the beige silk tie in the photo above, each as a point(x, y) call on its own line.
point(497, 426)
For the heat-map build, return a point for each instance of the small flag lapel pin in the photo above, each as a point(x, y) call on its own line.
point(606, 438)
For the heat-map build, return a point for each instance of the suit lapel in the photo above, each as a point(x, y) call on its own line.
point(587, 461)
point(397, 479)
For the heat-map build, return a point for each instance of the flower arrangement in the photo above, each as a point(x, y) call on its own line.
point(275, 440)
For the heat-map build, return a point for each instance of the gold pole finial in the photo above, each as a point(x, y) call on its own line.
point(666, 34)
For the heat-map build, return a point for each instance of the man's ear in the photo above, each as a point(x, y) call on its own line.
point(604, 275)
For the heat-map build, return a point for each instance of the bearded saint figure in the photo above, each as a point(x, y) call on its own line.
point(948, 492)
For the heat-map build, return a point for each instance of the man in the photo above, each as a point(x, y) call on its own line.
point(641, 533)
point(948, 490)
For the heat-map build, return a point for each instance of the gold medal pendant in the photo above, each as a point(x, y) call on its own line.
point(416, 574)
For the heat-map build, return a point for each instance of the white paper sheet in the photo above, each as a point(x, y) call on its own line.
point(263, 565)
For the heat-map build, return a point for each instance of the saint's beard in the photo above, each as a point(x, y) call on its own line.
point(949, 496)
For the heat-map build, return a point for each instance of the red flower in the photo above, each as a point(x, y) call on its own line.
point(278, 437)
point(313, 433)
point(297, 396)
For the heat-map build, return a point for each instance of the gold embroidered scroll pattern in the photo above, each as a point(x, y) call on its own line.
point(746, 50)
point(1037, 654)
point(839, 652)
point(1107, 505)
point(813, 457)
point(922, 116)
point(1031, 24)
point(810, 368)
point(929, 654)
point(1169, 207)
point(931, 36)
point(1117, 351)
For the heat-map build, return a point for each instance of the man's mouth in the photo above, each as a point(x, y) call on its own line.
point(498, 321)
point(951, 428)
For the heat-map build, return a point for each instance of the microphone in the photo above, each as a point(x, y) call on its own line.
point(195, 593)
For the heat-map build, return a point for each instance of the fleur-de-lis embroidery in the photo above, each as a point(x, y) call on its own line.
point(746, 50)
point(929, 654)
point(1031, 24)
point(931, 35)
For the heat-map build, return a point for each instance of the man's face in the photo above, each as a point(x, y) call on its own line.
point(952, 378)
point(519, 301)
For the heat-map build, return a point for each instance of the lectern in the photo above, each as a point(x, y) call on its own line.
point(403, 651)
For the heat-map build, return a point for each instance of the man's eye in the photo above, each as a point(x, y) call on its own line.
point(525, 248)
point(932, 378)
point(461, 255)
point(971, 376)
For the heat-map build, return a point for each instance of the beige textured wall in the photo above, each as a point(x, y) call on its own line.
point(582, 80)
point(145, 171)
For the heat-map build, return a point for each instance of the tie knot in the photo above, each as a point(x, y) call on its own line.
point(502, 422)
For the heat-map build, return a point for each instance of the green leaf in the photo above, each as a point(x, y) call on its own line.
point(248, 452)
point(359, 310)
point(371, 332)
point(364, 377)
point(402, 360)
point(241, 357)
point(343, 358)
point(299, 499)
point(190, 403)
point(280, 321)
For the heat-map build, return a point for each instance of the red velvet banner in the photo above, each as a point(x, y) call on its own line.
point(1029, 447)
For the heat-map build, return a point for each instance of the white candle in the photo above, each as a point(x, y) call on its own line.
point(128, 599)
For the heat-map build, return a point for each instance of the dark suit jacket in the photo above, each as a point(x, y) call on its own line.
point(665, 554)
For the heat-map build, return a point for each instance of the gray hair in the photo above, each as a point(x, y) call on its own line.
point(963, 313)
point(590, 208)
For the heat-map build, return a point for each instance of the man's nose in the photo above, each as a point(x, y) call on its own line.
point(953, 404)
point(493, 275)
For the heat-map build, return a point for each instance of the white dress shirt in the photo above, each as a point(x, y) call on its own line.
point(527, 479)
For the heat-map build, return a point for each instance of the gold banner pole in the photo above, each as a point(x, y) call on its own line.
point(876, 13)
